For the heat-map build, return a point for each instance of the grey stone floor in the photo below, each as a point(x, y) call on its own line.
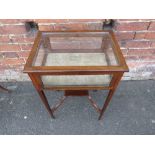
point(132, 111)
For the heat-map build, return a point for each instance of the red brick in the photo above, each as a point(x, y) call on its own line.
point(51, 20)
point(94, 26)
point(11, 21)
point(27, 40)
point(150, 35)
point(23, 54)
point(149, 58)
point(70, 26)
point(13, 62)
point(133, 26)
point(9, 47)
point(152, 26)
point(26, 47)
point(137, 44)
point(78, 26)
point(140, 35)
point(2, 68)
point(131, 58)
point(12, 29)
point(127, 20)
point(86, 20)
point(43, 20)
point(59, 21)
point(10, 54)
point(22, 39)
point(124, 35)
point(46, 27)
point(141, 52)
point(145, 35)
point(4, 39)
point(153, 44)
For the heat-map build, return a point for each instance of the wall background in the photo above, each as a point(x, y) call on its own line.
point(135, 36)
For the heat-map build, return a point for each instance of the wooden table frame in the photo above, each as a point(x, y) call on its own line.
point(35, 72)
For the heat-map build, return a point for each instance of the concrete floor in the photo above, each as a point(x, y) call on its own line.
point(132, 111)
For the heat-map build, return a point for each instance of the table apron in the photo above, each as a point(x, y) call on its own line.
point(76, 73)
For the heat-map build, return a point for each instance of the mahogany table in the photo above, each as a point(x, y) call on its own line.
point(75, 62)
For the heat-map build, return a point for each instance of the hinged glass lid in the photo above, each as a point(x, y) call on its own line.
point(76, 50)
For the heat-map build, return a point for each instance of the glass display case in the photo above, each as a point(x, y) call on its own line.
point(75, 62)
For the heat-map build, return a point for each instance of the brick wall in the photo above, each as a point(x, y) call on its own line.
point(136, 39)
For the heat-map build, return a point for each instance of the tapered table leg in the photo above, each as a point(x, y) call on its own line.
point(37, 84)
point(110, 94)
point(4, 89)
point(44, 99)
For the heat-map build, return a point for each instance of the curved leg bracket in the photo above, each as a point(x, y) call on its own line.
point(4, 89)
point(59, 104)
point(93, 103)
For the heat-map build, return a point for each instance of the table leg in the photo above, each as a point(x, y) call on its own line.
point(4, 89)
point(110, 94)
point(44, 99)
point(38, 85)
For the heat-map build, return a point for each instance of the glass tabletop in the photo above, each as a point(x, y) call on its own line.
point(75, 50)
